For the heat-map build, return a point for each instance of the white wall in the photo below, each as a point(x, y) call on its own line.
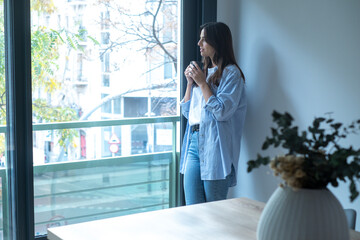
point(298, 56)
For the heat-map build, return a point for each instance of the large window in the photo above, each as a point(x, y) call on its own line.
point(82, 72)
point(101, 138)
point(94, 153)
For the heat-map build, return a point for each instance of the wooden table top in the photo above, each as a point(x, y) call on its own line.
point(228, 219)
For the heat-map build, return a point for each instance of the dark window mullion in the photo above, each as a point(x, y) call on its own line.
point(19, 120)
point(209, 11)
point(194, 13)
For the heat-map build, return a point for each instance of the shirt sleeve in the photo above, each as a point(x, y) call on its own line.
point(223, 105)
point(185, 108)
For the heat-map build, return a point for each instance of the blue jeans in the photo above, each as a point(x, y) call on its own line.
point(195, 189)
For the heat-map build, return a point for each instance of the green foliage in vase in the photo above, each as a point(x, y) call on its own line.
point(322, 159)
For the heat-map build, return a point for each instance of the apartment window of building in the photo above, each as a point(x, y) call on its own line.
point(168, 66)
point(117, 105)
point(105, 38)
point(105, 20)
point(105, 60)
point(82, 33)
point(79, 67)
point(105, 80)
point(106, 107)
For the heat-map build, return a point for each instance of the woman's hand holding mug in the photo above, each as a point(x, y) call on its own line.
point(188, 76)
point(196, 73)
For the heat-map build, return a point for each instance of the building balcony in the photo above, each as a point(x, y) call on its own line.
point(68, 191)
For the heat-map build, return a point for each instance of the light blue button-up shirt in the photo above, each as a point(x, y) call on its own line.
point(221, 127)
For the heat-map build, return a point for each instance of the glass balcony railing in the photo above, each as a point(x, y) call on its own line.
point(73, 191)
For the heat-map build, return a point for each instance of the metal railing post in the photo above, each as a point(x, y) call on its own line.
point(4, 200)
point(172, 172)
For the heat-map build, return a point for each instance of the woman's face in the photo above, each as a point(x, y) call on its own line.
point(205, 49)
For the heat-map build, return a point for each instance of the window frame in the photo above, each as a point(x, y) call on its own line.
point(19, 121)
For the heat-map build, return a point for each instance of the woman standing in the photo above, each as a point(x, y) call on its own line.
point(215, 106)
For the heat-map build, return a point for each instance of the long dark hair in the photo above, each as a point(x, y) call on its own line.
point(218, 35)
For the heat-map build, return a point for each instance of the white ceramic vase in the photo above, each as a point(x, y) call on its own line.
point(304, 214)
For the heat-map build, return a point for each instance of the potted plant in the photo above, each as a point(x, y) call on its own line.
point(313, 158)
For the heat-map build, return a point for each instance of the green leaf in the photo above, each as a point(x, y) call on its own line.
point(265, 146)
point(353, 191)
point(329, 120)
point(276, 115)
point(94, 40)
point(257, 163)
point(336, 125)
point(274, 132)
point(288, 116)
point(317, 121)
